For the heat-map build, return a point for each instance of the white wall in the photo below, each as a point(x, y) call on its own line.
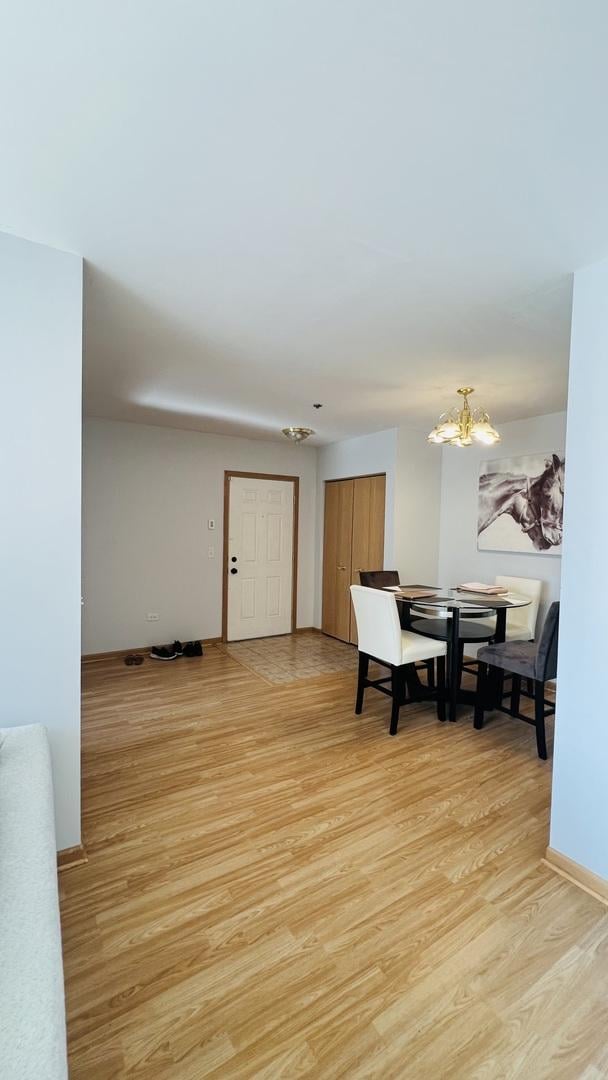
point(148, 494)
point(417, 507)
point(579, 811)
point(413, 474)
point(41, 348)
point(362, 456)
point(459, 559)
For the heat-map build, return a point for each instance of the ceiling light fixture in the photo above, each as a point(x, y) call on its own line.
point(465, 426)
point(297, 434)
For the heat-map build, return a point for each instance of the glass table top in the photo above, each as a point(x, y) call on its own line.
point(458, 598)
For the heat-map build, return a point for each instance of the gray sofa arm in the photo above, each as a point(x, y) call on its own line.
point(32, 1004)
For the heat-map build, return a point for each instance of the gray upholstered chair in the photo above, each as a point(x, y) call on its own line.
point(524, 660)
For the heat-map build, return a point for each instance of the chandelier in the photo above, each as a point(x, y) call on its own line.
point(465, 426)
point(297, 434)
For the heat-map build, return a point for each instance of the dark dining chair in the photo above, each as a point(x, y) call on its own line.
point(379, 579)
point(383, 579)
point(524, 660)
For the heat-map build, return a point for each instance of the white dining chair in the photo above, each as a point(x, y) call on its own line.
point(521, 622)
point(380, 638)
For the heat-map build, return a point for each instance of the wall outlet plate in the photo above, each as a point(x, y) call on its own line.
point(152, 616)
point(211, 523)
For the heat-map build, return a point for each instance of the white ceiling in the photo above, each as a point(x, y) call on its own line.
point(365, 203)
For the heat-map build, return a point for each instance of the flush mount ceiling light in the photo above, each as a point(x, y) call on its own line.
point(465, 426)
point(297, 434)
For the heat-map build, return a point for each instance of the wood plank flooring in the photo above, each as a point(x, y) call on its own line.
point(276, 888)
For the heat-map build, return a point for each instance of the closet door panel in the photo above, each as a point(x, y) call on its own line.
point(337, 558)
point(368, 531)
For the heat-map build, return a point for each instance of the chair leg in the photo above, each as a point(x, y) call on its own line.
point(411, 683)
point(441, 688)
point(454, 684)
point(480, 697)
point(539, 716)
point(430, 674)
point(515, 694)
point(530, 687)
point(460, 663)
point(363, 672)
point(494, 685)
point(397, 689)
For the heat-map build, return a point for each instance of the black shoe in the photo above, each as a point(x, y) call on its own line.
point(178, 648)
point(163, 652)
point(193, 648)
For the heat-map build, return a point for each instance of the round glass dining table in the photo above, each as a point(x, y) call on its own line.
point(453, 604)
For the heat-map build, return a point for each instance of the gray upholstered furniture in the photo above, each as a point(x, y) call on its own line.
point(535, 662)
point(32, 1008)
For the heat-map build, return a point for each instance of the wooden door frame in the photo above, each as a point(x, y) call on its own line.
point(295, 480)
point(357, 476)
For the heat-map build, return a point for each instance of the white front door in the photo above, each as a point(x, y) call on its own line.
point(260, 557)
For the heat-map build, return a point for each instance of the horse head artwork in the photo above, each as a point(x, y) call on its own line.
point(535, 503)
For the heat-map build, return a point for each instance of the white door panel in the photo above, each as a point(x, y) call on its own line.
point(260, 550)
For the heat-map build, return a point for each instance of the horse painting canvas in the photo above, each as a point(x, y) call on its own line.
point(521, 505)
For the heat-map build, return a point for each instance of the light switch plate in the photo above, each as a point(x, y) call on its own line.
point(211, 523)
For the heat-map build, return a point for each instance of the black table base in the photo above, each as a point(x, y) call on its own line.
point(455, 694)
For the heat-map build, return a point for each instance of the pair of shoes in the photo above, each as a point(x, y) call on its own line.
point(133, 659)
point(193, 648)
point(171, 652)
point(167, 652)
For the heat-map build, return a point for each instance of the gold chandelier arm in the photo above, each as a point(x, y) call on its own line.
point(461, 428)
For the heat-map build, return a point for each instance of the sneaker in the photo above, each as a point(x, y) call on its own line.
point(163, 652)
point(178, 648)
point(193, 648)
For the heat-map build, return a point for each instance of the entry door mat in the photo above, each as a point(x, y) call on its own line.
point(292, 657)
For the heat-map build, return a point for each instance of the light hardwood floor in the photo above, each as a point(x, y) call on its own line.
point(276, 888)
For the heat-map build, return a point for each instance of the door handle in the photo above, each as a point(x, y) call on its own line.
point(341, 568)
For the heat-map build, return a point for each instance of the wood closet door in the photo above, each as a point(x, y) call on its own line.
point(368, 531)
point(337, 558)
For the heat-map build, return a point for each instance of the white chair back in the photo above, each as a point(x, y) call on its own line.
point(523, 619)
point(378, 626)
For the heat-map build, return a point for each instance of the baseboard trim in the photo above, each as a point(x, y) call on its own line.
point(567, 868)
point(114, 654)
point(71, 856)
point(119, 654)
